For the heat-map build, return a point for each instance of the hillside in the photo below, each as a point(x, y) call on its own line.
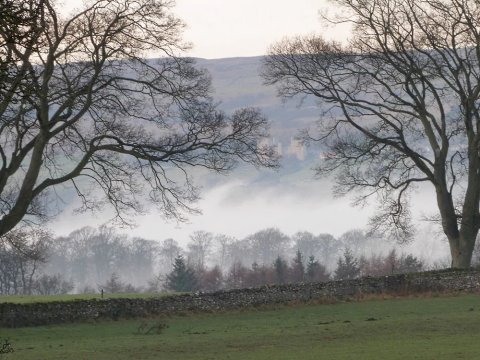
point(250, 199)
point(237, 83)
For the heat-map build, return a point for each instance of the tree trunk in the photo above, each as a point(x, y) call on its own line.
point(461, 237)
point(461, 249)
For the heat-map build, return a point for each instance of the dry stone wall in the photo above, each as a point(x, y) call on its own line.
point(18, 315)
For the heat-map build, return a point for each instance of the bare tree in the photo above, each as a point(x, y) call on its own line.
point(357, 241)
point(139, 257)
point(107, 248)
point(89, 256)
point(400, 107)
point(306, 243)
point(240, 252)
point(80, 105)
point(169, 250)
point(329, 250)
point(237, 276)
point(199, 248)
point(223, 245)
point(267, 245)
point(73, 255)
point(21, 255)
point(52, 285)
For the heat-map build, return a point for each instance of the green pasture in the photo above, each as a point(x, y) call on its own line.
point(408, 328)
point(24, 299)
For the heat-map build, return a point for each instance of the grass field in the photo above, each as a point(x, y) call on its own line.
point(409, 328)
point(24, 299)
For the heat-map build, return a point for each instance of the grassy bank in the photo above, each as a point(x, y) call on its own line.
point(416, 328)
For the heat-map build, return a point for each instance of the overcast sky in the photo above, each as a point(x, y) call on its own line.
point(220, 28)
point(233, 28)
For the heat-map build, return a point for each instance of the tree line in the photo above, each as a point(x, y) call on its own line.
point(89, 260)
point(185, 278)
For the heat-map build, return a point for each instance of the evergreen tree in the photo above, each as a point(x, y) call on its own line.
point(298, 269)
point(182, 278)
point(114, 285)
point(409, 263)
point(316, 271)
point(347, 266)
point(281, 270)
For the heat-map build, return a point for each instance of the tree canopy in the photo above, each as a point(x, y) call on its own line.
point(399, 107)
point(80, 105)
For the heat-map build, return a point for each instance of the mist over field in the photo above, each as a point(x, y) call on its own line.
point(254, 224)
point(250, 218)
point(249, 199)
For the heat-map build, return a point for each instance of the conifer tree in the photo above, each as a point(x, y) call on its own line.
point(298, 269)
point(347, 266)
point(182, 278)
point(281, 270)
point(315, 271)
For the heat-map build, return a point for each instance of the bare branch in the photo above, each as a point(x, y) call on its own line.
point(400, 105)
point(79, 104)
